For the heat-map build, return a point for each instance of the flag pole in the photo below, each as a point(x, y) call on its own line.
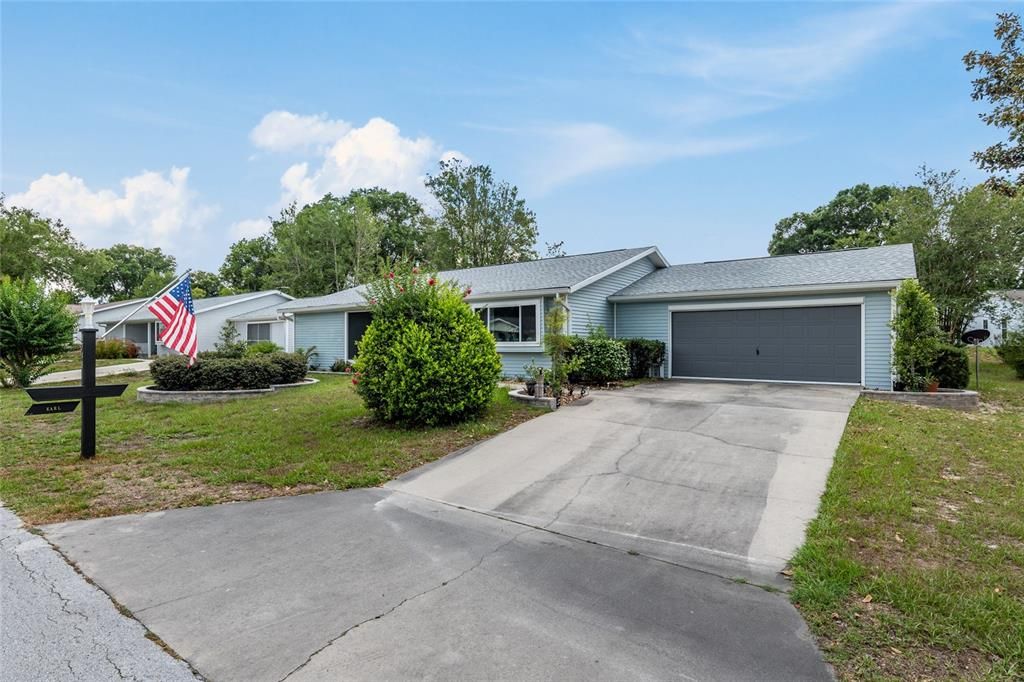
point(159, 293)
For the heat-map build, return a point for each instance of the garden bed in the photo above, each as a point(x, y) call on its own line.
point(948, 398)
point(151, 394)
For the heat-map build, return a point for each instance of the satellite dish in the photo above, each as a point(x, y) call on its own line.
point(976, 336)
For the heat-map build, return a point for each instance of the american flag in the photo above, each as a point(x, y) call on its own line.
point(174, 309)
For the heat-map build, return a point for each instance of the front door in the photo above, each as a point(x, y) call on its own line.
point(357, 324)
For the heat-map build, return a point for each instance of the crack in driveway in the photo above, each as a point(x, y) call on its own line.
point(405, 601)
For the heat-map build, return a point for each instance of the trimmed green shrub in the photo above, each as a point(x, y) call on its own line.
point(916, 324)
point(288, 368)
point(172, 373)
point(262, 348)
point(952, 367)
point(645, 356)
point(35, 330)
point(598, 359)
point(114, 349)
point(426, 357)
point(1011, 351)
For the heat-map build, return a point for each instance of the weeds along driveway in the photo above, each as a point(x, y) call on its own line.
point(391, 584)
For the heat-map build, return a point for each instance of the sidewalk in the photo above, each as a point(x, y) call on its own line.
point(56, 626)
point(76, 374)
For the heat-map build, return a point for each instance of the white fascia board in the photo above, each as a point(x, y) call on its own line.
point(652, 253)
point(849, 287)
point(238, 301)
point(516, 295)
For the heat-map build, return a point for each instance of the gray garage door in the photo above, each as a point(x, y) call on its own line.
point(782, 344)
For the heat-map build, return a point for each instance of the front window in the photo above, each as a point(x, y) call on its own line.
point(257, 332)
point(511, 323)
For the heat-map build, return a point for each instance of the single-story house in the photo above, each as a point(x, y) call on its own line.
point(1003, 312)
point(143, 329)
point(821, 317)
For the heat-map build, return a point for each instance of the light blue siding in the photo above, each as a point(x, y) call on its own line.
point(590, 306)
point(878, 340)
point(512, 363)
point(650, 320)
point(326, 331)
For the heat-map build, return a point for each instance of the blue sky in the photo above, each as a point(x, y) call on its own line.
point(694, 127)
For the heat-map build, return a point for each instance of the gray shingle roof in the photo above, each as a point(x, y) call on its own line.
point(111, 312)
point(265, 313)
point(548, 273)
point(880, 263)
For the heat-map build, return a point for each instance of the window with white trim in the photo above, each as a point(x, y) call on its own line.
point(512, 323)
point(257, 331)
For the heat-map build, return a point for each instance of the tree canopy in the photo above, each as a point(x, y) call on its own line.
point(247, 267)
point(482, 221)
point(856, 216)
point(36, 248)
point(125, 271)
point(1001, 85)
point(326, 246)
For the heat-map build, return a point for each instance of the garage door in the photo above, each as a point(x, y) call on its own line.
point(780, 344)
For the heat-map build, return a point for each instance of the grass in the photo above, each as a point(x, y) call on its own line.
point(914, 567)
point(73, 360)
point(154, 457)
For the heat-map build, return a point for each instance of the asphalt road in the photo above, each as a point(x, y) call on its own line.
point(55, 626)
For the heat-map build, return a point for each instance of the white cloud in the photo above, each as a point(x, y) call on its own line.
point(775, 66)
point(562, 153)
point(249, 228)
point(151, 209)
point(282, 131)
point(374, 155)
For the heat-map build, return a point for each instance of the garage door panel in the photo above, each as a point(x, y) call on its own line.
point(821, 343)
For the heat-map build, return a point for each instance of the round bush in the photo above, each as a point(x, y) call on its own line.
point(951, 368)
point(426, 357)
point(599, 360)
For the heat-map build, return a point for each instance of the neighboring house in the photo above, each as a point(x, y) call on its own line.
point(821, 317)
point(1002, 313)
point(143, 329)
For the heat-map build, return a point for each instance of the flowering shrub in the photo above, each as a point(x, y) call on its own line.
point(426, 357)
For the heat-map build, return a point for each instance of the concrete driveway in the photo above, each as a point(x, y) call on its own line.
point(565, 548)
point(718, 476)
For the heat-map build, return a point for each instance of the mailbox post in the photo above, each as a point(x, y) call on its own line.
point(87, 392)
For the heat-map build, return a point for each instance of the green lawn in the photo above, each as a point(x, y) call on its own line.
point(161, 456)
point(914, 568)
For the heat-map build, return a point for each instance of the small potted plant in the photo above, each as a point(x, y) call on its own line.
point(534, 377)
point(931, 384)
